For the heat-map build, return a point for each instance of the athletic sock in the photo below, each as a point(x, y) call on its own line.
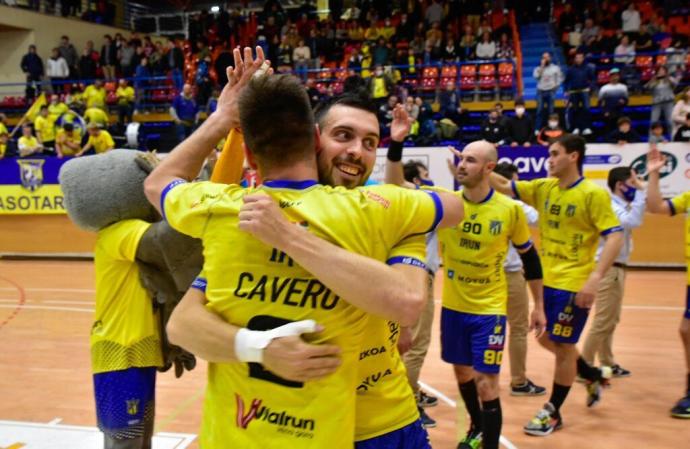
point(492, 420)
point(587, 371)
point(558, 395)
point(468, 391)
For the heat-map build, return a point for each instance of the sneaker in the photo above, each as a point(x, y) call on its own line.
point(594, 387)
point(426, 400)
point(544, 423)
point(473, 440)
point(581, 380)
point(527, 389)
point(576, 131)
point(427, 422)
point(682, 408)
point(587, 132)
point(619, 371)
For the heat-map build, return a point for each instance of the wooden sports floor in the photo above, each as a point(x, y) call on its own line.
point(46, 312)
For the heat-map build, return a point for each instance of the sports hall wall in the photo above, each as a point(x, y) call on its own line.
point(20, 28)
point(32, 219)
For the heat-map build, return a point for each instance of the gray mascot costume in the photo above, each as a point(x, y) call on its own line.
point(143, 268)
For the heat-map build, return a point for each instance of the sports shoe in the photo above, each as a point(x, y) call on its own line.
point(427, 422)
point(544, 423)
point(527, 389)
point(426, 400)
point(473, 440)
point(682, 408)
point(594, 387)
point(587, 132)
point(619, 371)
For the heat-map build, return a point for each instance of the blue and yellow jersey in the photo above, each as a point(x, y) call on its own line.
point(474, 252)
point(125, 329)
point(681, 204)
point(571, 220)
point(385, 401)
point(252, 285)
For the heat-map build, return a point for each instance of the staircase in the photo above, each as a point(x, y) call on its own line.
point(535, 39)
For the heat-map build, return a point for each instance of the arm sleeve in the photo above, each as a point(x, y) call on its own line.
point(601, 213)
point(121, 240)
point(187, 206)
point(410, 251)
point(632, 217)
point(525, 191)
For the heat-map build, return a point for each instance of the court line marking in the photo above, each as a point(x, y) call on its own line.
point(178, 410)
point(19, 303)
point(504, 441)
point(55, 422)
point(49, 301)
point(60, 309)
point(51, 289)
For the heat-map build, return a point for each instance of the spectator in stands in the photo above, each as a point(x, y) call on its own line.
point(624, 133)
point(69, 53)
point(354, 62)
point(519, 128)
point(505, 48)
point(380, 85)
point(141, 82)
point(683, 132)
point(4, 144)
point(203, 80)
point(681, 110)
point(371, 34)
point(405, 29)
point(625, 52)
point(450, 51)
point(578, 80)
point(468, 43)
point(662, 86)
point(551, 132)
point(412, 108)
point(45, 128)
point(87, 66)
point(125, 103)
point(549, 78)
point(99, 139)
point(28, 144)
point(449, 99)
point(213, 101)
point(175, 63)
point(381, 54)
point(109, 58)
point(590, 30)
point(56, 107)
point(95, 94)
point(503, 29)
point(484, 28)
point(126, 58)
point(567, 20)
point(301, 56)
point(486, 48)
point(434, 13)
point(644, 42)
point(630, 18)
point(97, 116)
point(57, 70)
point(417, 45)
point(677, 55)
point(185, 113)
point(67, 141)
point(434, 39)
point(386, 115)
point(492, 131)
point(656, 134)
point(32, 66)
point(613, 97)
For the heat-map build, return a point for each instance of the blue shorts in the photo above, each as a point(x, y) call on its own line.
point(125, 401)
point(687, 304)
point(473, 340)
point(564, 320)
point(412, 436)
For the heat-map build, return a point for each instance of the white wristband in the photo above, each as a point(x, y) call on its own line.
point(250, 345)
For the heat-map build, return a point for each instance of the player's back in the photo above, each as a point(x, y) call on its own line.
point(255, 286)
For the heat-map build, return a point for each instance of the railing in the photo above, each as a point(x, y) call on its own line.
point(643, 68)
point(82, 11)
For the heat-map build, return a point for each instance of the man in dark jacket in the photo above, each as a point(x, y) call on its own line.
point(578, 80)
point(32, 66)
point(175, 64)
point(109, 58)
point(492, 131)
point(519, 129)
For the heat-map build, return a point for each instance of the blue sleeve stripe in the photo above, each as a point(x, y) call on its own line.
point(524, 245)
point(200, 284)
point(513, 186)
point(612, 230)
point(165, 191)
point(406, 261)
point(439, 209)
point(671, 207)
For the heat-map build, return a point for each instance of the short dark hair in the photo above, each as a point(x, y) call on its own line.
point(44, 107)
point(655, 125)
point(411, 170)
point(277, 120)
point(358, 99)
point(69, 127)
point(618, 174)
point(506, 169)
point(624, 120)
point(574, 144)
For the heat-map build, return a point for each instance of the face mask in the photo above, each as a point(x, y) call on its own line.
point(552, 124)
point(519, 111)
point(426, 182)
point(629, 193)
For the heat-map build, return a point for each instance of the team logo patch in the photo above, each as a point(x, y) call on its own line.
point(132, 406)
point(243, 419)
point(451, 274)
point(31, 173)
point(495, 227)
point(473, 217)
point(570, 210)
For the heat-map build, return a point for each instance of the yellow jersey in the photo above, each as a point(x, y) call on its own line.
point(96, 115)
point(245, 405)
point(46, 127)
point(3, 150)
point(125, 95)
point(102, 142)
point(681, 204)
point(571, 220)
point(56, 110)
point(3, 129)
point(27, 142)
point(74, 137)
point(474, 252)
point(125, 329)
point(94, 97)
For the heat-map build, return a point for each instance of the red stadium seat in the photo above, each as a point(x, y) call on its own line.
point(661, 60)
point(449, 71)
point(505, 81)
point(412, 82)
point(468, 70)
point(445, 81)
point(430, 72)
point(428, 84)
point(602, 77)
point(487, 82)
point(337, 87)
point(487, 70)
point(506, 68)
point(644, 61)
point(468, 82)
point(647, 73)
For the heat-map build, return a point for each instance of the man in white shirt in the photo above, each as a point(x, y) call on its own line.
point(628, 198)
point(631, 19)
point(518, 303)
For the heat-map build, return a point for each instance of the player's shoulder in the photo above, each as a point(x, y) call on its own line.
point(591, 188)
point(207, 193)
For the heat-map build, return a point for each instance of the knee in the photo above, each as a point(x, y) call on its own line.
point(463, 374)
point(565, 351)
point(684, 329)
point(487, 387)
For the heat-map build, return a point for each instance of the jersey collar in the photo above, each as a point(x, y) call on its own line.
point(288, 184)
point(487, 198)
point(579, 180)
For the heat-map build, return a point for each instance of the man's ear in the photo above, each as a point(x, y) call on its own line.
point(317, 138)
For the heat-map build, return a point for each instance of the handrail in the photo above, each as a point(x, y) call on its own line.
point(518, 53)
